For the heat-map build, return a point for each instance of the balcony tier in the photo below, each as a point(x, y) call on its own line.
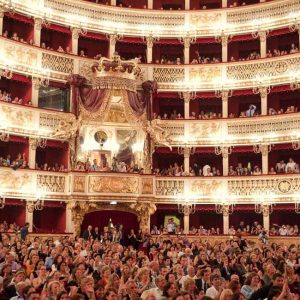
point(26, 184)
point(280, 70)
point(137, 22)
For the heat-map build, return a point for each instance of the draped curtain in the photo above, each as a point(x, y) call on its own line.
point(95, 99)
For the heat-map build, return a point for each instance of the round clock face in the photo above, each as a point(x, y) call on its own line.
point(100, 137)
point(284, 186)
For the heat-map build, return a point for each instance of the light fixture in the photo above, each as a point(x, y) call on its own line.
point(188, 95)
point(7, 72)
point(223, 38)
point(295, 83)
point(4, 137)
point(37, 204)
point(114, 36)
point(224, 150)
point(223, 92)
point(2, 202)
point(224, 208)
point(41, 143)
point(262, 34)
point(297, 207)
point(262, 148)
point(186, 208)
point(181, 150)
point(260, 88)
point(9, 7)
point(113, 202)
point(187, 40)
point(296, 144)
point(263, 208)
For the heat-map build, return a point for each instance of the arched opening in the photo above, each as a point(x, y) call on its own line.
point(100, 219)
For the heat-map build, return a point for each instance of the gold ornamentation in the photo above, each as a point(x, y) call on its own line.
point(144, 211)
point(67, 128)
point(206, 187)
point(79, 184)
point(206, 74)
point(147, 185)
point(57, 63)
point(17, 117)
point(199, 20)
point(169, 187)
point(51, 183)
point(12, 180)
point(284, 186)
point(104, 184)
point(168, 75)
point(204, 130)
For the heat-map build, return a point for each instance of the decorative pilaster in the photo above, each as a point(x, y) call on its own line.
point(187, 5)
point(224, 39)
point(112, 44)
point(29, 215)
point(144, 212)
point(38, 22)
point(186, 155)
point(70, 228)
point(186, 98)
point(187, 40)
point(263, 43)
point(150, 4)
point(186, 223)
point(265, 158)
point(266, 216)
point(35, 83)
point(1, 20)
point(150, 42)
point(75, 37)
point(32, 153)
point(225, 96)
point(264, 100)
point(224, 3)
point(113, 2)
point(225, 161)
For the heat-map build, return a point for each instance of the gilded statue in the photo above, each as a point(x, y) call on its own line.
point(67, 128)
point(159, 135)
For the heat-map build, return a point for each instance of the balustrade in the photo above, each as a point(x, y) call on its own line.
point(26, 184)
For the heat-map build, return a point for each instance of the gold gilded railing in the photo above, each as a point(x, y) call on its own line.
point(137, 22)
point(212, 132)
point(26, 184)
point(32, 61)
point(30, 121)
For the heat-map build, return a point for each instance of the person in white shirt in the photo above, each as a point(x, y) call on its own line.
point(291, 165)
point(160, 283)
point(190, 275)
point(283, 230)
point(280, 167)
point(215, 290)
point(251, 111)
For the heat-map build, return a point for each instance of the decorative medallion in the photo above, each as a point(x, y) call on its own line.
point(284, 186)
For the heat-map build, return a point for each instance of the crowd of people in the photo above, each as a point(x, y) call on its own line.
point(289, 109)
point(242, 170)
point(7, 97)
point(282, 167)
point(19, 162)
point(102, 266)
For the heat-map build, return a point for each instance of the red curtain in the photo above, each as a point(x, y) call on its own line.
point(101, 218)
point(13, 213)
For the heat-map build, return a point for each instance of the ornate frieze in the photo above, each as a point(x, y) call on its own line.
point(79, 184)
point(108, 184)
point(169, 187)
point(51, 183)
point(61, 64)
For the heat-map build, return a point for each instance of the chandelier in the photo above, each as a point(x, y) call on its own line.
point(187, 40)
point(296, 144)
point(224, 150)
point(223, 38)
point(260, 34)
point(41, 143)
point(262, 208)
point(188, 95)
point(224, 209)
point(2, 202)
point(295, 83)
point(223, 92)
point(181, 150)
point(260, 88)
point(9, 7)
point(262, 148)
point(4, 137)
point(37, 204)
point(186, 208)
point(7, 72)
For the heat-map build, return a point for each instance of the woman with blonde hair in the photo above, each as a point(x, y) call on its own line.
point(113, 282)
point(226, 294)
point(143, 280)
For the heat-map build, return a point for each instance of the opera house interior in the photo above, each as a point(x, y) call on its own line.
point(149, 149)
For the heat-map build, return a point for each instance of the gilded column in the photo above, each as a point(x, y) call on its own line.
point(225, 104)
point(32, 153)
point(1, 20)
point(187, 4)
point(225, 160)
point(112, 44)
point(186, 99)
point(70, 228)
point(266, 216)
point(187, 40)
point(150, 42)
point(113, 2)
point(224, 3)
point(187, 153)
point(224, 42)
point(150, 4)
point(186, 223)
point(75, 37)
point(263, 43)
point(265, 158)
point(264, 100)
point(225, 220)
point(144, 212)
point(35, 91)
point(37, 31)
point(29, 214)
